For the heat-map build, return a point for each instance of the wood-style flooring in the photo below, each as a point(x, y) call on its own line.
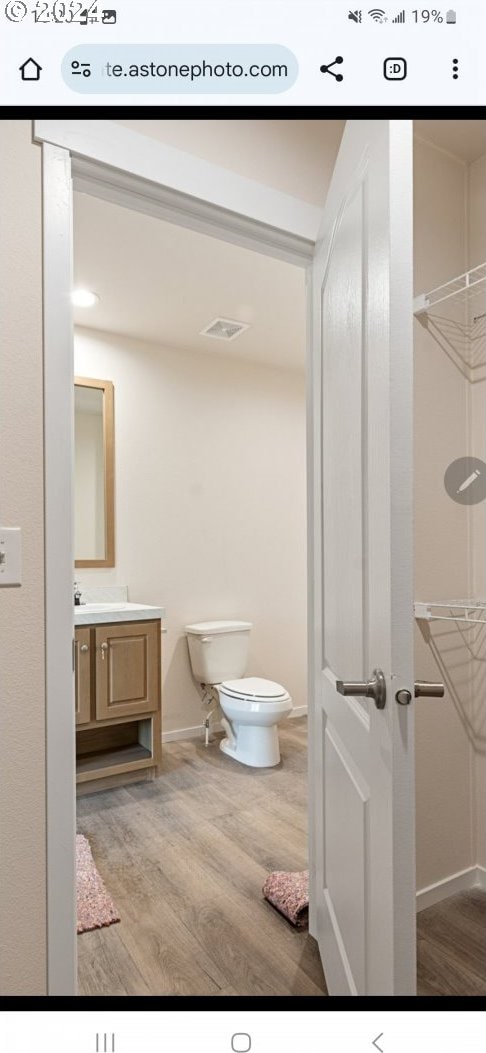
point(451, 946)
point(185, 857)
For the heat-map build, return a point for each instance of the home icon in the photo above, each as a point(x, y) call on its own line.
point(30, 70)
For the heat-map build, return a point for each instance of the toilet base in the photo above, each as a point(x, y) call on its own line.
point(255, 746)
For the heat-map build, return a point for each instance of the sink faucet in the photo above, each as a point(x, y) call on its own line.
point(77, 595)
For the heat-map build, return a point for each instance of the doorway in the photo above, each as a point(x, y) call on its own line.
point(210, 523)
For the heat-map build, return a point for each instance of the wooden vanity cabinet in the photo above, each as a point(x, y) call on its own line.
point(118, 703)
point(127, 669)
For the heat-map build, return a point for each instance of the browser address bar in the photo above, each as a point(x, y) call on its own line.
point(180, 68)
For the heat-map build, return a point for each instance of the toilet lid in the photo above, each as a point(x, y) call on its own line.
point(255, 687)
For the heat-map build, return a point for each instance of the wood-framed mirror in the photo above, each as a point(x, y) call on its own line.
point(94, 473)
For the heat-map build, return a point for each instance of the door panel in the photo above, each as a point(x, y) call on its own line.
point(362, 859)
point(345, 849)
point(127, 669)
point(342, 369)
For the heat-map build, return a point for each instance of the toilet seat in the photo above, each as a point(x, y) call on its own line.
point(255, 689)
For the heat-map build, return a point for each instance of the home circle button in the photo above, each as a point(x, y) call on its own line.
point(241, 1043)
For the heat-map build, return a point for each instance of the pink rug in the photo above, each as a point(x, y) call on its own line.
point(288, 892)
point(95, 907)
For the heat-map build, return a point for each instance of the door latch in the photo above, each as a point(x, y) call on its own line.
point(422, 689)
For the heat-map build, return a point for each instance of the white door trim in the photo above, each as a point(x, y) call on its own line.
point(143, 174)
point(175, 206)
point(155, 169)
point(59, 565)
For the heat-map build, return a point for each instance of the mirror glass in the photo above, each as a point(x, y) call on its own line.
point(93, 473)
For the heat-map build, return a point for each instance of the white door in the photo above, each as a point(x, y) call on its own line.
point(362, 838)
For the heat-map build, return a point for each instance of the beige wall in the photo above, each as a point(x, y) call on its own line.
point(22, 705)
point(210, 502)
point(445, 821)
point(477, 212)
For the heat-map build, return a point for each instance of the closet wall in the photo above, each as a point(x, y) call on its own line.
point(450, 539)
point(444, 756)
point(477, 256)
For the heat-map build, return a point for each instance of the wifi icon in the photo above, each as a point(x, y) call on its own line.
point(377, 14)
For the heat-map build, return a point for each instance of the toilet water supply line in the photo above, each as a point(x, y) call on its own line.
point(210, 703)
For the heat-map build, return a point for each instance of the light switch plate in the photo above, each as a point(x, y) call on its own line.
point(10, 556)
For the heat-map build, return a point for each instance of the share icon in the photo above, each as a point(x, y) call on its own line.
point(328, 69)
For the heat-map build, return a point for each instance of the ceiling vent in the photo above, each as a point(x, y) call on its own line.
point(224, 329)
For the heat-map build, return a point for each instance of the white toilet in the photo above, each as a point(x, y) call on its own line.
point(252, 706)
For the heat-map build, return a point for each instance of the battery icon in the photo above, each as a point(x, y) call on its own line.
point(451, 18)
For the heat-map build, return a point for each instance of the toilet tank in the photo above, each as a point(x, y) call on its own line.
point(218, 650)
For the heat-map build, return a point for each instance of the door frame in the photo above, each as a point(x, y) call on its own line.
point(124, 167)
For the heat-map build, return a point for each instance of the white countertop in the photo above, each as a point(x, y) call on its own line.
point(99, 613)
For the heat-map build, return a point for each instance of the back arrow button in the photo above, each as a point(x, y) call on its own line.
point(376, 1041)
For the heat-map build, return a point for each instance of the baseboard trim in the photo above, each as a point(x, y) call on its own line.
point(198, 730)
point(481, 872)
point(473, 877)
point(189, 733)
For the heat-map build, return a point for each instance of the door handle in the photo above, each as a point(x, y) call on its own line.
point(422, 689)
point(425, 689)
point(374, 688)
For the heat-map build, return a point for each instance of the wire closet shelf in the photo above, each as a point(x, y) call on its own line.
point(466, 289)
point(469, 612)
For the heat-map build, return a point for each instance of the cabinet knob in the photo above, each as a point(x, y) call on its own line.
point(84, 647)
point(104, 648)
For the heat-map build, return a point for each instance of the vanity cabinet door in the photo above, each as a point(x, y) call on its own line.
point(127, 669)
point(82, 675)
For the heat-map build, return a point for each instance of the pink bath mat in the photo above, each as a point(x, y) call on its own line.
point(95, 907)
point(288, 892)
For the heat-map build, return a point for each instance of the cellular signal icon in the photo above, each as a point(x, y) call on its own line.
point(400, 17)
point(356, 16)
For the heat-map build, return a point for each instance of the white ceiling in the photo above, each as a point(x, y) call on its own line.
point(164, 283)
